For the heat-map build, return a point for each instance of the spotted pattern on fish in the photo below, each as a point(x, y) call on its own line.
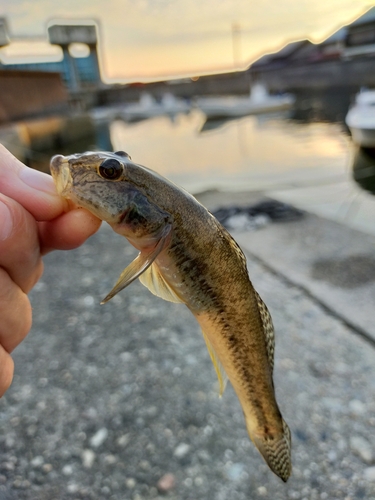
point(278, 452)
point(269, 331)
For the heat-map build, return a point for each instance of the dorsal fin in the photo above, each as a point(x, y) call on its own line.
point(269, 332)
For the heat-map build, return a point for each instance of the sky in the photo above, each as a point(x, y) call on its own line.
point(142, 40)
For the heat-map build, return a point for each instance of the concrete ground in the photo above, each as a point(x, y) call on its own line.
point(120, 401)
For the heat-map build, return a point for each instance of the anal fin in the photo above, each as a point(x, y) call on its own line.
point(220, 372)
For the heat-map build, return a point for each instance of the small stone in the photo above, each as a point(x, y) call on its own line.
point(8, 466)
point(10, 441)
point(144, 465)
point(21, 484)
point(67, 470)
point(362, 448)
point(188, 482)
point(15, 421)
point(130, 483)
point(166, 483)
point(198, 481)
point(123, 440)
point(72, 488)
point(89, 301)
point(99, 437)
point(235, 470)
point(47, 468)
point(43, 382)
point(262, 491)
point(91, 414)
point(369, 474)
point(88, 457)
point(332, 456)
point(110, 459)
point(126, 356)
point(37, 461)
point(182, 450)
point(357, 407)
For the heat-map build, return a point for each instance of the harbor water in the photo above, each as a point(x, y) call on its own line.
point(306, 162)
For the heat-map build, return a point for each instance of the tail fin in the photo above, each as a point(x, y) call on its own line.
point(276, 451)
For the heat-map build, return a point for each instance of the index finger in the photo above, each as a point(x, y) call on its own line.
point(34, 190)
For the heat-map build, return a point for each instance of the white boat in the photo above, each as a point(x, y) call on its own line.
point(361, 119)
point(148, 107)
point(104, 114)
point(259, 101)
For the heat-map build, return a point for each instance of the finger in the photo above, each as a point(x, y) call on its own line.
point(68, 231)
point(32, 189)
point(19, 244)
point(6, 371)
point(15, 313)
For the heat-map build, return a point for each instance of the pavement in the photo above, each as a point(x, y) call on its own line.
point(329, 259)
point(120, 401)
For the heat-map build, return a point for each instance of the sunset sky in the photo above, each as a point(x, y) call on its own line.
point(150, 39)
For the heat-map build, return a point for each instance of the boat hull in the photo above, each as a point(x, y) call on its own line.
point(361, 119)
point(229, 107)
point(364, 137)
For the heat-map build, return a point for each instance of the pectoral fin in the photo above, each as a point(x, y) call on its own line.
point(139, 265)
point(154, 281)
point(220, 372)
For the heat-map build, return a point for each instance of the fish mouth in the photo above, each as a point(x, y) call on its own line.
point(60, 171)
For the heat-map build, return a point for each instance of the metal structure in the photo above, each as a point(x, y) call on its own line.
point(78, 73)
point(82, 71)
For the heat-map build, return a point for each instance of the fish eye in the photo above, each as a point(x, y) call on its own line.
point(110, 169)
point(122, 153)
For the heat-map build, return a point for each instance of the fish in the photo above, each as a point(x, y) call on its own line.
point(186, 256)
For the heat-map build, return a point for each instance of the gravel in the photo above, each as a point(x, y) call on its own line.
point(120, 401)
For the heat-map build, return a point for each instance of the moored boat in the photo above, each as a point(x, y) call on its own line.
point(259, 101)
point(149, 107)
point(361, 119)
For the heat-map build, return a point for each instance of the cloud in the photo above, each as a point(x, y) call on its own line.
point(140, 36)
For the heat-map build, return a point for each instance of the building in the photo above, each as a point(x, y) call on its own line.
point(77, 73)
point(346, 58)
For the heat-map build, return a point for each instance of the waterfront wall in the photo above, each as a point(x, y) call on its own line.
point(285, 77)
point(319, 75)
point(32, 93)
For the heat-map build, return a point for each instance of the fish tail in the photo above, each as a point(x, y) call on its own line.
point(276, 451)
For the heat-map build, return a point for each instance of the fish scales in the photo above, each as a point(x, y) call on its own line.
point(187, 256)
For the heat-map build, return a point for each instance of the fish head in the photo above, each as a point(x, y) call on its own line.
point(95, 181)
point(101, 183)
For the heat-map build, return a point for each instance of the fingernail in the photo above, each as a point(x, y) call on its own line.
point(6, 222)
point(37, 180)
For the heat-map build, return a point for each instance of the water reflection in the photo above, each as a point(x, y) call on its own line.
point(251, 152)
point(235, 152)
point(70, 137)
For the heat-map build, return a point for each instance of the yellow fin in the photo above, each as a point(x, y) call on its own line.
point(154, 281)
point(138, 266)
point(220, 372)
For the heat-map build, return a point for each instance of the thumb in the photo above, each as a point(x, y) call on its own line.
point(34, 190)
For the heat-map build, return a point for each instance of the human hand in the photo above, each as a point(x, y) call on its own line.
point(34, 220)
